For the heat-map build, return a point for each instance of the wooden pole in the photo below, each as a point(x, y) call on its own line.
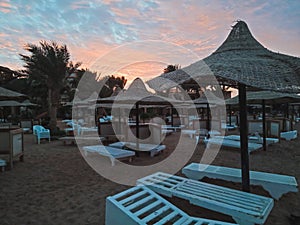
point(207, 117)
point(229, 109)
point(244, 138)
point(172, 118)
point(137, 129)
point(264, 125)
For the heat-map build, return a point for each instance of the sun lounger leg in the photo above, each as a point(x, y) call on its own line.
point(112, 161)
point(242, 221)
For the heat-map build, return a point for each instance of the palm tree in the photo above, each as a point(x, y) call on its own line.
point(49, 64)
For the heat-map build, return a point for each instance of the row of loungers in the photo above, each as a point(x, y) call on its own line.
point(220, 140)
point(142, 205)
point(122, 150)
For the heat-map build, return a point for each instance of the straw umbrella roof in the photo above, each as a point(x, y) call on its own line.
point(210, 98)
point(28, 103)
point(137, 92)
point(10, 103)
point(241, 59)
point(6, 94)
point(270, 97)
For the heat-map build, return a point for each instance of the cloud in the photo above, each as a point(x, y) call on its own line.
point(92, 28)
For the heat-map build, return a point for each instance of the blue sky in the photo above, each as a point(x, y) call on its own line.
point(91, 29)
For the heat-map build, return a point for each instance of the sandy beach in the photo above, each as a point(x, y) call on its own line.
point(55, 185)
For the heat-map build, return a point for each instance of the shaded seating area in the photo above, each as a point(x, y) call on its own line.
point(141, 206)
point(110, 152)
point(41, 133)
point(245, 208)
point(275, 184)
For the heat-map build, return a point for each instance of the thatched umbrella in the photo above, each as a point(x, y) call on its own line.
point(10, 103)
point(270, 97)
point(239, 62)
point(137, 95)
point(6, 94)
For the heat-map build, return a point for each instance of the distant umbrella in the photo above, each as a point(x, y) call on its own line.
point(10, 103)
point(27, 103)
point(6, 94)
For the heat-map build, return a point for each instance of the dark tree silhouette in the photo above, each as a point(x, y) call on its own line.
point(48, 64)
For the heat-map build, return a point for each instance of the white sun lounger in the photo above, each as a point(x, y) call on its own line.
point(152, 148)
point(110, 152)
point(275, 184)
point(231, 143)
point(245, 208)
point(2, 164)
point(289, 135)
point(170, 127)
point(83, 130)
point(72, 139)
point(141, 206)
point(252, 139)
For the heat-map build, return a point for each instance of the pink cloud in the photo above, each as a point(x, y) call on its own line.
point(5, 7)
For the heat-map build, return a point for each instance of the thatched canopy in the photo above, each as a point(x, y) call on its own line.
point(137, 92)
point(210, 98)
point(10, 103)
point(240, 59)
point(6, 94)
point(270, 97)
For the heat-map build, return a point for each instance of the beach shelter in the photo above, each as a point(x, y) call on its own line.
point(6, 94)
point(263, 98)
point(242, 62)
point(137, 95)
point(10, 103)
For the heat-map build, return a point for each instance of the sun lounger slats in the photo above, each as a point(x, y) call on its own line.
point(128, 208)
point(110, 152)
point(275, 184)
point(289, 135)
point(245, 208)
point(232, 143)
point(253, 139)
point(151, 148)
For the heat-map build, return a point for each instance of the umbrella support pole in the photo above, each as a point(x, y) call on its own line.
point(244, 138)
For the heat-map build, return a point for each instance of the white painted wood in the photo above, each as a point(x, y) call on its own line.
point(110, 152)
point(254, 139)
point(151, 148)
point(2, 164)
point(289, 135)
point(245, 208)
point(140, 206)
point(231, 143)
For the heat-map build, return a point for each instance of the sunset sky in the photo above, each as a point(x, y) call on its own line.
point(105, 28)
